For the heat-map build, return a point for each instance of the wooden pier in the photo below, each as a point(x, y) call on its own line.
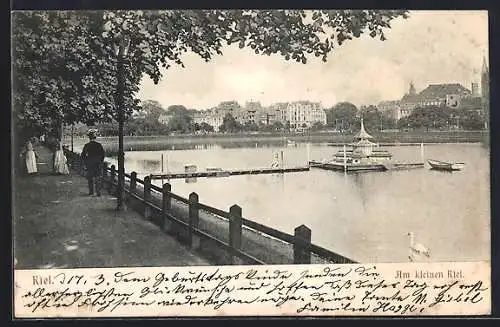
point(405, 166)
point(365, 167)
point(227, 173)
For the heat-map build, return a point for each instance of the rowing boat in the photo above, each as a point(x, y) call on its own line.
point(442, 165)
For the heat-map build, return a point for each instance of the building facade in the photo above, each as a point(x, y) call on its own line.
point(391, 108)
point(449, 95)
point(452, 95)
point(164, 119)
point(275, 113)
point(303, 114)
point(212, 117)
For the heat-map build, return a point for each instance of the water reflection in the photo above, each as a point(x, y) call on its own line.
point(150, 164)
point(363, 216)
point(361, 185)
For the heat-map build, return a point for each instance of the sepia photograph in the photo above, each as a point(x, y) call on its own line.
point(213, 140)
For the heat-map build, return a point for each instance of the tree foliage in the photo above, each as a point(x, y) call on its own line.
point(317, 126)
point(153, 109)
point(230, 125)
point(63, 71)
point(376, 120)
point(181, 119)
point(206, 127)
point(250, 126)
point(342, 116)
point(64, 63)
point(430, 117)
point(470, 120)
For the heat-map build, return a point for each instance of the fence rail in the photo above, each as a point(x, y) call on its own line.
point(300, 240)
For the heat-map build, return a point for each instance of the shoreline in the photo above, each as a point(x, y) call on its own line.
point(193, 142)
point(160, 142)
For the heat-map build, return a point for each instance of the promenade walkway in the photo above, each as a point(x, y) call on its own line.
point(57, 225)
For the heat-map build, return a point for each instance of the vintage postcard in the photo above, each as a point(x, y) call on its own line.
point(189, 163)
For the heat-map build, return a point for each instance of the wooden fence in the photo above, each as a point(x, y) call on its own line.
point(145, 193)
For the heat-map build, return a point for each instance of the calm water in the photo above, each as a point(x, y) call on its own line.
point(367, 216)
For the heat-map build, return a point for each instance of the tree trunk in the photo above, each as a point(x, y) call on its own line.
point(121, 206)
point(72, 132)
point(61, 131)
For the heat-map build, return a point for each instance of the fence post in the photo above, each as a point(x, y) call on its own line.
point(194, 220)
point(166, 206)
point(133, 182)
point(71, 159)
point(235, 231)
point(147, 197)
point(302, 245)
point(82, 167)
point(104, 173)
point(112, 178)
point(105, 169)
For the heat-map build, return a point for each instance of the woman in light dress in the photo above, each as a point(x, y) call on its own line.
point(30, 159)
point(60, 161)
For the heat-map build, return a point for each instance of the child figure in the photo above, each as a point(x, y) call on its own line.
point(30, 159)
point(60, 161)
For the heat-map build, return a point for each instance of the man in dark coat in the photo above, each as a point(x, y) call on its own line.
point(93, 158)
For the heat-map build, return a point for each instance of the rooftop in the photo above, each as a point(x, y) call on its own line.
point(441, 90)
point(437, 91)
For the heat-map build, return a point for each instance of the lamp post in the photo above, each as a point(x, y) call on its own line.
point(121, 51)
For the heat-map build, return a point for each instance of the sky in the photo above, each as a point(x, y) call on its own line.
point(429, 47)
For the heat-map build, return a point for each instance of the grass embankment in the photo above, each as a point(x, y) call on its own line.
point(162, 142)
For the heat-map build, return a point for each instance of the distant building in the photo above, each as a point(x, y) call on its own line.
point(412, 91)
point(228, 107)
point(303, 114)
point(471, 103)
point(485, 91)
point(475, 89)
point(391, 108)
point(449, 95)
point(250, 114)
point(212, 117)
point(253, 106)
point(164, 119)
point(275, 113)
point(485, 80)
point(452, 95)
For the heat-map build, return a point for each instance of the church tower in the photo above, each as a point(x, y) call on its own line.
point(475, 83)
point(485, 80)
point(412, 90)
point(485, 91)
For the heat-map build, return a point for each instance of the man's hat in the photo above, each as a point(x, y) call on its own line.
point(92, 132)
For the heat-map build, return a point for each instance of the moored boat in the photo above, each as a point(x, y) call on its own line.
point(442, 165)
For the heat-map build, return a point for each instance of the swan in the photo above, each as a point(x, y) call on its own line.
point(417, 249)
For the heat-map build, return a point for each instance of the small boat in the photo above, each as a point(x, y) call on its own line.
point(290, 142)
point(449, 166)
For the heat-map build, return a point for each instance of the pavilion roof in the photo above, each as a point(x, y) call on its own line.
point(363, 134)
